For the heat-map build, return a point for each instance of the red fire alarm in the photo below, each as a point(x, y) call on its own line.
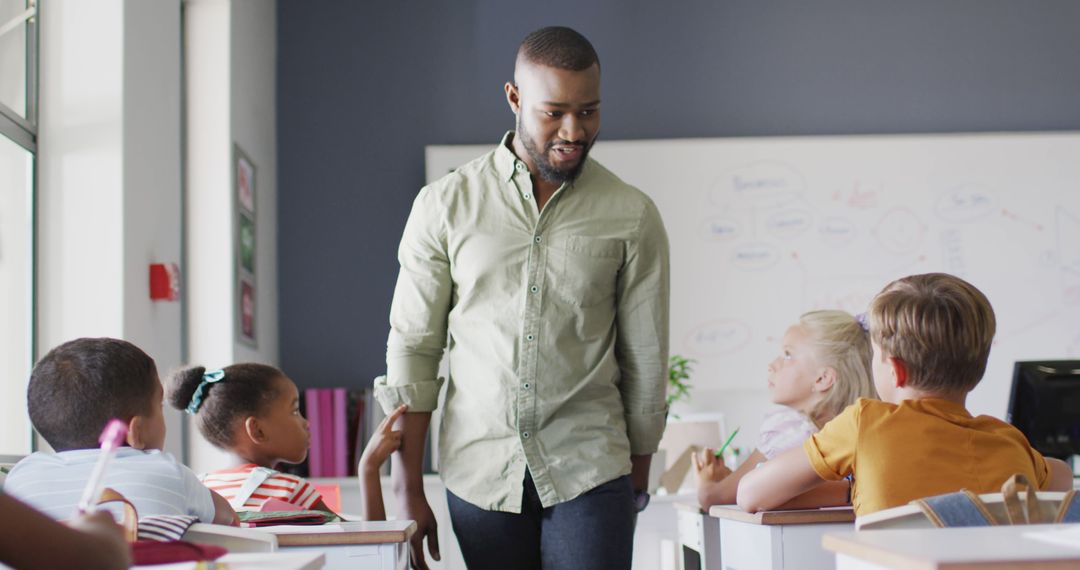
point(164, 282)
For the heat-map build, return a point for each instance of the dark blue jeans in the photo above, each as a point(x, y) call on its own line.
point(593, 531)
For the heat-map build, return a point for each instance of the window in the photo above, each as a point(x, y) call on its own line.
point(18, 147)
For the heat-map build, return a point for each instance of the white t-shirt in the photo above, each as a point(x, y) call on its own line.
point(782, 429)
point(152, 480)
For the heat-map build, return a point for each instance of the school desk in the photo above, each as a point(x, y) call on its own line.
point(778, 540)
point(253, 561)
point(997, 547)
point(371, 545)
point(699, 538)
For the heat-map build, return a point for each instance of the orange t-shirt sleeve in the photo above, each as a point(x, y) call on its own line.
point(831, 451)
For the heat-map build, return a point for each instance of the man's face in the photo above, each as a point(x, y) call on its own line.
point(558, 117)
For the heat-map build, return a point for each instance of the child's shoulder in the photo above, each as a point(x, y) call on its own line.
point(783, 418)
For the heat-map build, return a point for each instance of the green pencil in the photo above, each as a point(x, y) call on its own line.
point(720, 452)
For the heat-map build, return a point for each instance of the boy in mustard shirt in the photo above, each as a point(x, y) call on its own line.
point(931, 336)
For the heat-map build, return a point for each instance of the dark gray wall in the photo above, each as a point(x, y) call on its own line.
point(364, 86)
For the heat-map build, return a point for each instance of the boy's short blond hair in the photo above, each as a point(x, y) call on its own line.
point(939, 326)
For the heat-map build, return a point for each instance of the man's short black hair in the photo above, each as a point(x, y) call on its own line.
point(559, 47)
point(82, 384)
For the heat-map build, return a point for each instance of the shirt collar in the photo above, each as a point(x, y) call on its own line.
point(505, 160)
point(940, 407)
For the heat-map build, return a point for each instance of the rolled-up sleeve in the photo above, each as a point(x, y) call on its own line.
point(642, 332)
point(418, 314)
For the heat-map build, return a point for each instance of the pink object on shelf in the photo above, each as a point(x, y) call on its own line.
point(326, 431)
point(341, 437)
point(331, 495)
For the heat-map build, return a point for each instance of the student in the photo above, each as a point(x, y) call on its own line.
point(74, 391)
point(30, 540)
point(823, 367)
point(253, 412)
point(931, 335)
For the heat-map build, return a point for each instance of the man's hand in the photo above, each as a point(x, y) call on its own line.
point(408, 483)
point(414, 506)
point(709, 467)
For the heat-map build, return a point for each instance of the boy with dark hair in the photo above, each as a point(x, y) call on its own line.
point(931, 336)
point(74, 391)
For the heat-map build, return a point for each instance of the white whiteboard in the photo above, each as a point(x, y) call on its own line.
point(764, 229)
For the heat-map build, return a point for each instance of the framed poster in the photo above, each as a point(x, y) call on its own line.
point(244, 246)
point(247, 311)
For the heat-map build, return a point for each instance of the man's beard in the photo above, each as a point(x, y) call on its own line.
point(547, 170)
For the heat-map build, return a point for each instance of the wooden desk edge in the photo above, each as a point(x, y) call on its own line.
point(808, 516)
point(847, 543)
point(348, 538)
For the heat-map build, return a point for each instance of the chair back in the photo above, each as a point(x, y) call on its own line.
point(912, 516)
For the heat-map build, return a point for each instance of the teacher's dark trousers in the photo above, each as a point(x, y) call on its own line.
point(593, 531)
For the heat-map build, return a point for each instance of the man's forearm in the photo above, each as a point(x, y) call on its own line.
point(407, 463)
point(639, 471)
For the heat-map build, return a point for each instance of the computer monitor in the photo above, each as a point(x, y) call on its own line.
point(1044, 404)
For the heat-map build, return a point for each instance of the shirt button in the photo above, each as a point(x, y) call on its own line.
point(519, 166)
point(534, 288)
point(525, 435)
point(529, 337)
point(536, 239)
point(526, 385)
point(527, 196)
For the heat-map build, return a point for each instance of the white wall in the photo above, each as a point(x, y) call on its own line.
point(230, 56)
point(254, 129)
point(110, 197)
point(109, 174)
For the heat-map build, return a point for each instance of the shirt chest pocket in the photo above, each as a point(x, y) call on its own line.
point(586, 274)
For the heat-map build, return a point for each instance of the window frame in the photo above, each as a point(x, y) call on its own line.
point(23, 131)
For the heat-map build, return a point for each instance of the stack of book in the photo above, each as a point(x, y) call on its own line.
point(341, 422)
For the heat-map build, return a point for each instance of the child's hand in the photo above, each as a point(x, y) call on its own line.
point(709, 467)
point(103, 528)
point(383, 442)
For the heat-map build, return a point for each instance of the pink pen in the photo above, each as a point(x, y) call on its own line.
point(111, 438)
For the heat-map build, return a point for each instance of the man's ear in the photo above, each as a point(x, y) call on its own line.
point(253, 430)
point(899, 371)
point(513, 97)
point(135, 436)
point(825, 379)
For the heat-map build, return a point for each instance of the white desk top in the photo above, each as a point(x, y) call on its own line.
point(1005, 547)
point(255, 561)
point(366, 532)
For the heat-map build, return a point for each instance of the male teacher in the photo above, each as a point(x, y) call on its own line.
point(545, 277)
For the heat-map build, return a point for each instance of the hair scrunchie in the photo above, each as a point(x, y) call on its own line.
point(864, 321)
point(208, 378)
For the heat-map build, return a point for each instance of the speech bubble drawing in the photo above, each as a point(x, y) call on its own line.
point(718, 337)
point(755, 256)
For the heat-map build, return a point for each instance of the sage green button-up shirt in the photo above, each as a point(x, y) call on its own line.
point(555, 325)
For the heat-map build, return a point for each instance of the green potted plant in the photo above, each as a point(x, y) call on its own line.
point(679, 370)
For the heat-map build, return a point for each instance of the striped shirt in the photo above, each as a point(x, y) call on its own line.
point(154, 482)
point(280, 486)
